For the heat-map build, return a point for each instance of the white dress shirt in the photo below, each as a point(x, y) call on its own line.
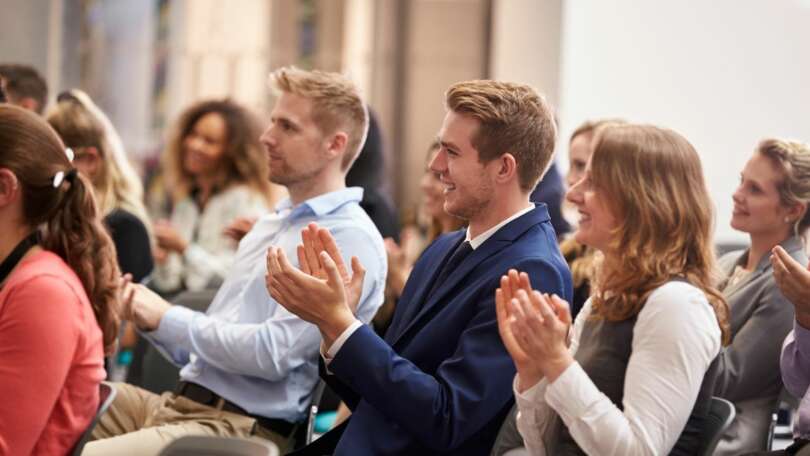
point(675, 339)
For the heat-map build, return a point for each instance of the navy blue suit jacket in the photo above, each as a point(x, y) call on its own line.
point(441, 381)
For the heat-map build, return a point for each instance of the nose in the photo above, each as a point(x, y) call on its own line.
point(267, 136)
point(572, 178)
point(193, 142)
point(439, 162)
point(737, 196)
point(574, 193)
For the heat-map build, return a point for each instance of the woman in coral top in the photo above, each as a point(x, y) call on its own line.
point(58, 291)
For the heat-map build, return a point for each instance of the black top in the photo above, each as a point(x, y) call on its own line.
point(131, 242)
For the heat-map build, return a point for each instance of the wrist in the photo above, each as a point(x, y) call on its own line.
point(527, 378)
point(332, 329)
point(555, 366)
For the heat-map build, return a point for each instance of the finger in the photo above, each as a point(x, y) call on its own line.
point(533, 319)
point(506, 288)
point(273, 262)
point(330, 245)
point(514, 281)
point(335, 281)
point(793, 266)
point(545, 308)
point(309, 251)
point(563, 309)
point(358, 275)
point(525, 282)
point(518, 327)
point(303, 263)
point(358, 271)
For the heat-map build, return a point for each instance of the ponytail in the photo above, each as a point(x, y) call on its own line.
point(75, 232)
point(60, 204)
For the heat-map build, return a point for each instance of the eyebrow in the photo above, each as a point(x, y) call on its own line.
point(446, 144)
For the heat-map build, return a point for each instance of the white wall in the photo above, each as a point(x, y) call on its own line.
point(724, 73)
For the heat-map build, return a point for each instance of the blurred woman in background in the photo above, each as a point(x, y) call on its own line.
point(58, 291)
point(100, 156)
point(217, 172)
point(770, 204)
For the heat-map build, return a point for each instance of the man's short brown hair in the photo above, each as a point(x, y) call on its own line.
point(336, 104)
point(514, 118)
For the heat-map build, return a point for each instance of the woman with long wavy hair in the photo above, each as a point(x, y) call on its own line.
point(636, 376)
point(217, 172)
point(58, 291)
point(100, 156)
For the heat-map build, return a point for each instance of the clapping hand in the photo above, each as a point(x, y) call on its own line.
point(534, 328)
point(321, 292)
point(168, 238)
point(239, 227)
point(141, 305)
point(793, 280)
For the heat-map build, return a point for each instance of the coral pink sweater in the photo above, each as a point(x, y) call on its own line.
point(51, 358)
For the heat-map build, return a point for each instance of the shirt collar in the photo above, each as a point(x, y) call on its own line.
point(481, 238)
point(323, 204)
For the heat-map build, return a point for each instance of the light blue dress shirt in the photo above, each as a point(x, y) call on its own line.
point(246, 347)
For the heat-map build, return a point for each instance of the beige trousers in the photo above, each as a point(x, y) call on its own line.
point(141, 423)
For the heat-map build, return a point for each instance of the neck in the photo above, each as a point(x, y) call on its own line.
point(500, 208)
point(761, 244)
point(318, 185)
point(12, 235)
point(448, 223)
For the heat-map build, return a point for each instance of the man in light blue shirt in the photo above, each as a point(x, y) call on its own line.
point(249, 365)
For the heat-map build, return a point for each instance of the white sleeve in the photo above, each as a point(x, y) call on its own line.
point(675, 339)
point(534, 413)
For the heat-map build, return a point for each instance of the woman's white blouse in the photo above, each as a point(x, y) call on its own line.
point(209, 256)
point(675, 339)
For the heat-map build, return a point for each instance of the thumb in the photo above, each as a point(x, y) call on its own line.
point(358, 272)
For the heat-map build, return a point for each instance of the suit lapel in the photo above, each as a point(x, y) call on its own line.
point(497, 242)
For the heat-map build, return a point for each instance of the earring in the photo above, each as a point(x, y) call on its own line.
point(787, 219)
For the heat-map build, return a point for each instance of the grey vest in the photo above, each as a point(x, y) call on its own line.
point(603, 352)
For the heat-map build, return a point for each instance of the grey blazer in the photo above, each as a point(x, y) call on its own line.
point(749, 375)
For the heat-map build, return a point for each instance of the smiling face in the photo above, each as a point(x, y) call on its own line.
point(596, 221)
point(758, 208)
point(204, 145)
point(468, 183)
point(296, 147)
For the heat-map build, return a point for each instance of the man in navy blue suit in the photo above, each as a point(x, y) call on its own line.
point(441, 380)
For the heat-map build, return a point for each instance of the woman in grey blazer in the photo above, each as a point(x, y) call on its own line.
point(770, 205)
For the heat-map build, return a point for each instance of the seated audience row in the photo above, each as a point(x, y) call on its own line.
point(487, 315)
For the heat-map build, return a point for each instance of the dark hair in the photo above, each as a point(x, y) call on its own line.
point(65, 215)
point(244, 160)
point(24, 81)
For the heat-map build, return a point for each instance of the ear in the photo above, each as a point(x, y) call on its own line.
point(505, 168)
point(9, 187)
point(28, 103)
point(337, 144)
point(797, 211)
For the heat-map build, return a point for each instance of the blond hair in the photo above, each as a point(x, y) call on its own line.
point(80, 123)
point(243, 161)
point(514, 119)
point(792, 158)
point(653, 182)
point(336, 104)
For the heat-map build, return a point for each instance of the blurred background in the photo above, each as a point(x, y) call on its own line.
point(724, 73)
